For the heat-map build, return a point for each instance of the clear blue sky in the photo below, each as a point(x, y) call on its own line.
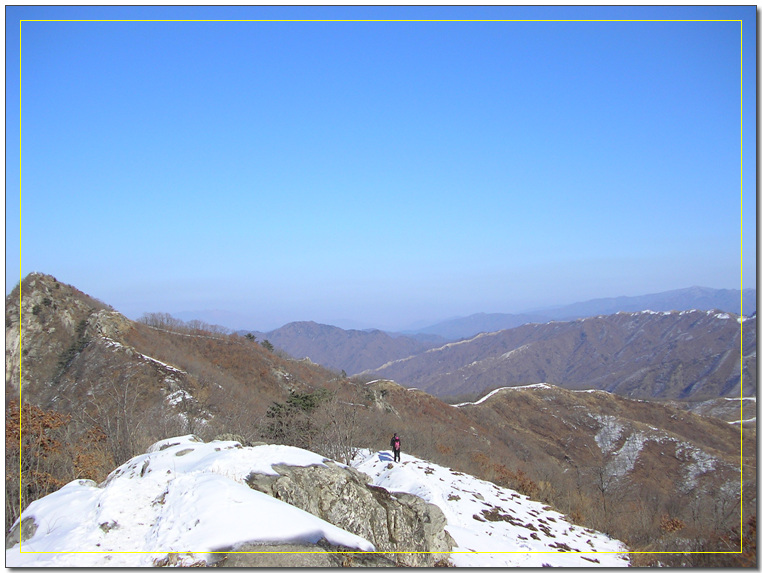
point(379, 173)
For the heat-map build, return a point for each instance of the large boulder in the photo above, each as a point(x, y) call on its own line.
point(401, 524)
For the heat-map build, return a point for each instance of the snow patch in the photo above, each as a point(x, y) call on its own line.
point(748, 420)
point(183, 496)
point(160, 363)
point(609, 433)
point(114, 344)
point(177, 397)
point(624, 459)
point(493, 526)
point(540, 385)
point(702, 463)
point(510, 353)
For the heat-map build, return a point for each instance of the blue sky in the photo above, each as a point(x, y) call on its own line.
point(379, 173)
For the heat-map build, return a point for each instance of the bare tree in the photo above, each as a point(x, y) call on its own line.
point(338, 428)
point(118, 409)
point(603, 481)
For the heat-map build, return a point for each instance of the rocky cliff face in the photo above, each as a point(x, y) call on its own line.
point(69, 352)
point(47, 324)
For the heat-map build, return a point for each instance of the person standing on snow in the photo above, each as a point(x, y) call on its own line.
point(396, 445)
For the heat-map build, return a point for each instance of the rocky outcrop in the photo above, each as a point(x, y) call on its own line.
point(47, 325)
point(20, 532)
point(404, 525)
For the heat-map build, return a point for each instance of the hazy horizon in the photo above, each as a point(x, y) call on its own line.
point(380, 173)
point(243, 319)
point(238, 320)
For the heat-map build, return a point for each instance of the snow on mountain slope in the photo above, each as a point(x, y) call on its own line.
point(182, 496)
point(189, 498)
point(494, 526)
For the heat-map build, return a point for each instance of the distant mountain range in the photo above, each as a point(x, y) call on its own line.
point(698, 298)
point(679, 354)
point(355, 351)
point(468, 326)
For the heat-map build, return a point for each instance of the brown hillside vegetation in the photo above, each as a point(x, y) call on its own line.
point(131, 383)
point(657, 477)
point(622, 466)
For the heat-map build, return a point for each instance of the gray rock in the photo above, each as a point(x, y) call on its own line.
point(21, 532)
point(396, 524)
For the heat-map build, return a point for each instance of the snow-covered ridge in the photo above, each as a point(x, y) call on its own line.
point(183, 496)
point(160, 363)
point(537, 386)
point(718, 314)
point(494, 526)
point(191, 499)
point(438, 349)
point(460, 342)
point(540, 385)
point(114, 344)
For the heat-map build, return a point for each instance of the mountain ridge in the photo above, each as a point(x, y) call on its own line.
point(349, 350)
point(355, 351)
point(698, 298)
point(646, 354)
point(456, 328)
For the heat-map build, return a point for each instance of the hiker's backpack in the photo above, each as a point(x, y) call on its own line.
point(396, 443)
